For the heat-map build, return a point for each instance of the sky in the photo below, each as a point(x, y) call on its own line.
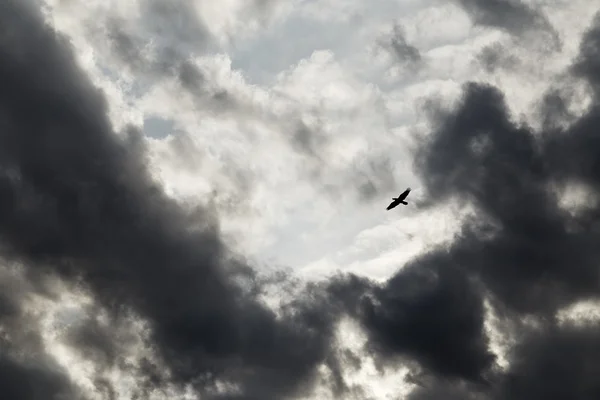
point(193, 193)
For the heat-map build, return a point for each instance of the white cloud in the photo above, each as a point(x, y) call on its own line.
point(384, 247)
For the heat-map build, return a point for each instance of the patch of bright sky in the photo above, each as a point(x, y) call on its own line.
point(311, 55)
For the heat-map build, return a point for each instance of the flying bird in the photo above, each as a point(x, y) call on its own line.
point(399, 199)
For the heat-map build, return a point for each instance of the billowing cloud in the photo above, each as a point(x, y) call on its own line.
point(26, 370)
point(480, 154)
point(429, 312)
point(78, 202)
point(532, 256)
point(515, 16)
point(404, 52)
point(171, 306)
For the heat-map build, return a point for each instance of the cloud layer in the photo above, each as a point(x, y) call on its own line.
point(166, 304)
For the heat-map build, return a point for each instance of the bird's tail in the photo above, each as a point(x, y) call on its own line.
point(405, 203)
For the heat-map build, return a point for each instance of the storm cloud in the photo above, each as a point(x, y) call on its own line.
point(78, 204)
point(532, 256)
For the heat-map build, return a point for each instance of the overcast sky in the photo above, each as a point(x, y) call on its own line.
point(193, 194)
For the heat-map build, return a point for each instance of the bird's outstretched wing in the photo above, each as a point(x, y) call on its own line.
point(392, 205)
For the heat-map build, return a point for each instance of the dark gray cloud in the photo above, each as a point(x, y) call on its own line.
point(429, 313)
point(514, 16)
point(398, 46)
point(588, 62)
point(558, 363)
point(34, 380)
point(479, 154)
point(26, 370)
point(530, 256)
point(77, 203)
